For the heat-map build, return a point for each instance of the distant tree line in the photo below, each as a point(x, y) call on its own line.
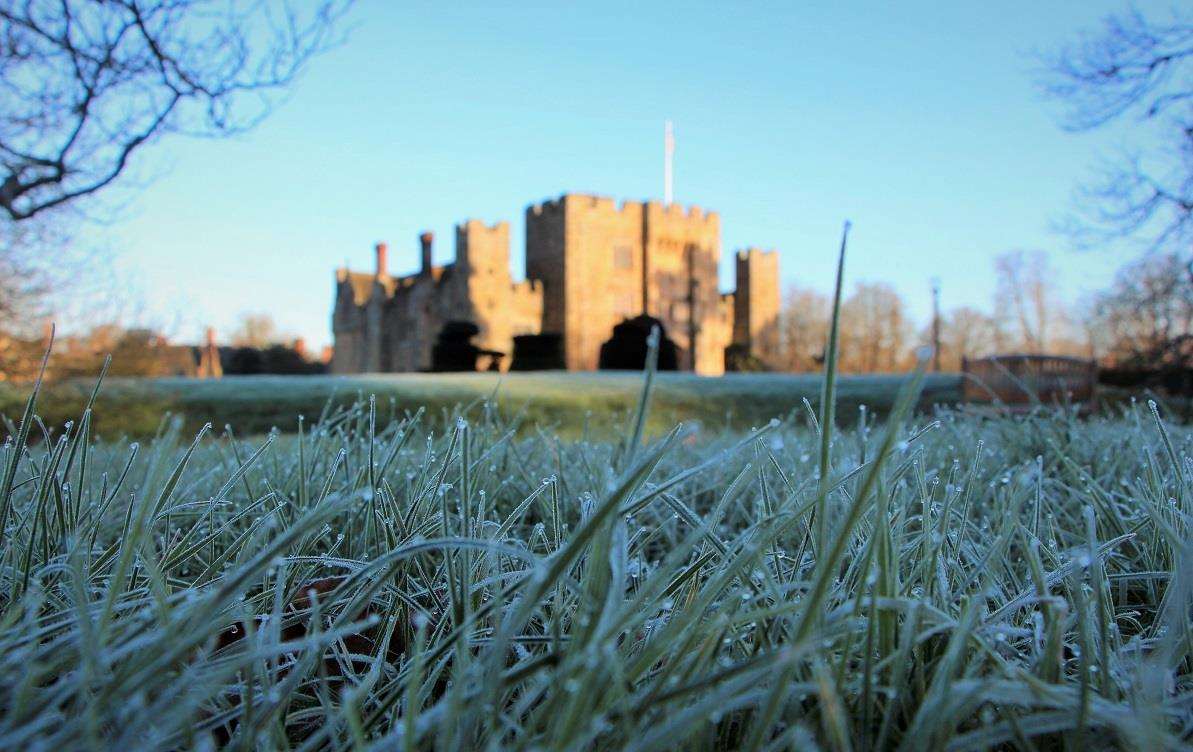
point(257, 347)
point(1143, 323)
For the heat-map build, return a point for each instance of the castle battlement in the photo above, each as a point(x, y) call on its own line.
point(586, 201)
point(597, 202)
point(691, 213)
point(547, 206)
point(744, 254)
point(478, 225)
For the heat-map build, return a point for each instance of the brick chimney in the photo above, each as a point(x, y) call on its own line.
point(426, 240)
point(211, 336)
point(382, 256)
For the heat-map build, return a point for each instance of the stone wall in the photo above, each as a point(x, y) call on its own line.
point(383, 323)
point(489, 296)
point(603, 273)
point(545, 260)
point(591, 263)
point(601, 262)
point(682, 252)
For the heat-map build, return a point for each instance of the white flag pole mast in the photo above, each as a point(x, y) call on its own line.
point(668, 153)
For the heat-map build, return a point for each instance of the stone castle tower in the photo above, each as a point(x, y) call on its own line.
point(591, 263)
point(756, 304)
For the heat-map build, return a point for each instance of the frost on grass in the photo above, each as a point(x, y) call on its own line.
point(1010, 582)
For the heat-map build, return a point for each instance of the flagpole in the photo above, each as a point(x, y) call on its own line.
point(668, 153)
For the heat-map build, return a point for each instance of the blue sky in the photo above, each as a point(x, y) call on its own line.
point(918, 121)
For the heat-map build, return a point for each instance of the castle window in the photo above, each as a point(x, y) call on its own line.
point(623, 257)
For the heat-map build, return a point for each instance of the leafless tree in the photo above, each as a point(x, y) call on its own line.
point(87, 84)
point(256, 330)
point(1027, 300)
point(1145, 320)
point(41, 270)
point(1136, 67)
point(803, 329)
point(876, 333)
point(24, 279)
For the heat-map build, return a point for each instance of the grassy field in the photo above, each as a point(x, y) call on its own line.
point(565, 401)
point(945, 581)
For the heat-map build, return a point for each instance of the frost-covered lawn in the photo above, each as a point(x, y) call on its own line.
point(254, 404)
point(949, 582)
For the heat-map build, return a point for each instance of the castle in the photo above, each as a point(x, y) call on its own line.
point(590, 265)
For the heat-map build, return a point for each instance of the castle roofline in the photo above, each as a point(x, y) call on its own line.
point(691, 211)
point(362, 284)
point(473, 224)
point(744, 253)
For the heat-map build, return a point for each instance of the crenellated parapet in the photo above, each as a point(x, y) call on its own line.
point(484, 249)
point(760, 254)
point(679, 212)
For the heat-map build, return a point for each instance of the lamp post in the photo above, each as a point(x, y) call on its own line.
point(936, 324)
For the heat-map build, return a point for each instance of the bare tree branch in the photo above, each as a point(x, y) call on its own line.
point(1145, 320)
point(1142, 67)
point(88, 83)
